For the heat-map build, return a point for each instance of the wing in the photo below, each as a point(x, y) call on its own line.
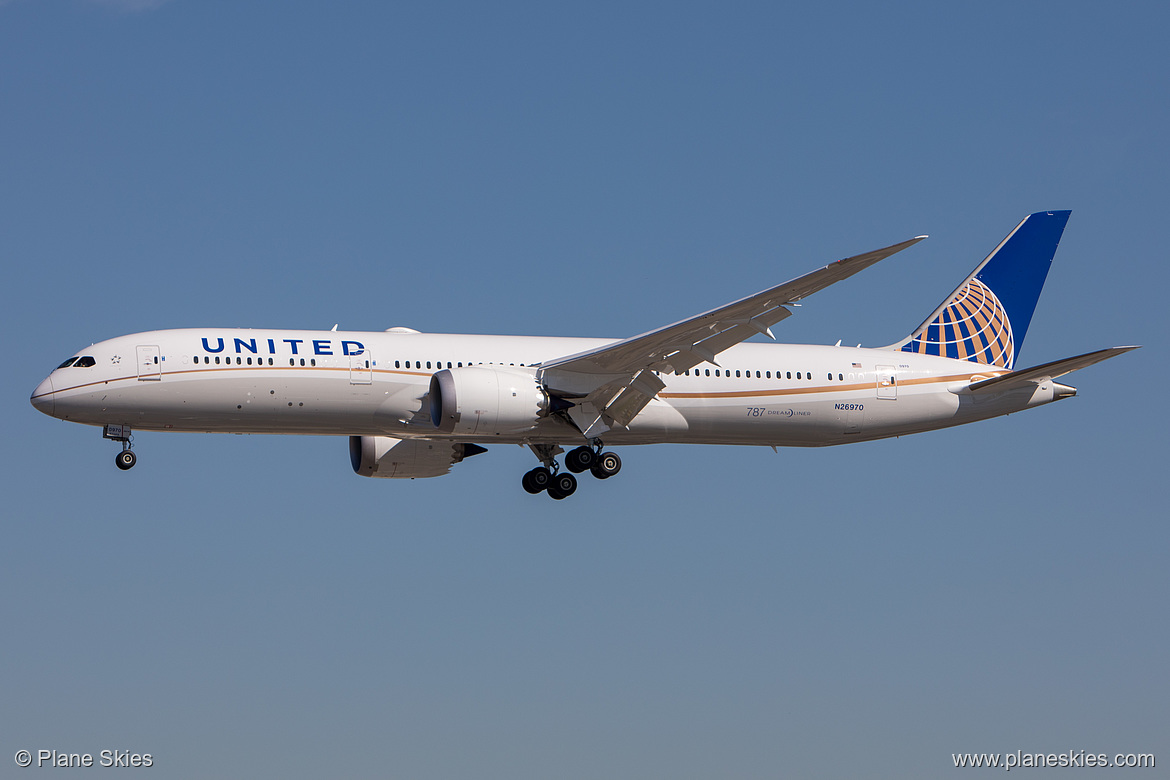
point(1053, 370)
point(611, 384)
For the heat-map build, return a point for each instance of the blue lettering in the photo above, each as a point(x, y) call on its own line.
point(359, 348)
point(208, 348)
point(322, 347)
point(293, 343)
point(249, 345)
point(271, 347)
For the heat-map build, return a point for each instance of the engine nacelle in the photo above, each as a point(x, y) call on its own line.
point(385, 456)
point(486, 401)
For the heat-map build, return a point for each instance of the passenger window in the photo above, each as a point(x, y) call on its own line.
point(790, 374)
point(418, 364)
point(737, 372)
point(302, 361)
point(428, 364)
point(249, 361)
point(269, 361)
point(716, 372)
point(840, 377)
point(217, 360)
point(312, 361)
point(156, 360)
point(292, 362)
point(396, 364)
point(757, 375)
point(67, 363)
point(768, 374)
point(708, 372)
point(798, 375)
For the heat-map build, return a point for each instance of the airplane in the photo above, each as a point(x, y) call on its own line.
point(415, 404)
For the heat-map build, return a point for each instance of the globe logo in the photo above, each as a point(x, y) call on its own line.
point(972, 326)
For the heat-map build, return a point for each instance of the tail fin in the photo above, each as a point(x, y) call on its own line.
point(985, 319)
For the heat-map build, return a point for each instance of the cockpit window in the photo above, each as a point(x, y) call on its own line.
point(67, 363)
point(85, 361)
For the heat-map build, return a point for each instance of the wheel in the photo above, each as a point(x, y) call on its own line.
point(126, 459)
point(563, 486)
point(607, 465)
point(580, 459)
point(536, 480)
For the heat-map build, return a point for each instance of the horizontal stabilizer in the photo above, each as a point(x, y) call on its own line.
point(1056, 368)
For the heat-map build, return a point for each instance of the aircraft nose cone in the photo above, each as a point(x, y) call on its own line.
point(42, 397)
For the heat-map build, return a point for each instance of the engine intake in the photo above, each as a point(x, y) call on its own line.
point(486, 401)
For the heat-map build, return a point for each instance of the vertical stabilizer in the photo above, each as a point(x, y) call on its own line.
point(986, 318)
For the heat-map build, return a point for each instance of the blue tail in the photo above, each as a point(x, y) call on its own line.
point(985, 319)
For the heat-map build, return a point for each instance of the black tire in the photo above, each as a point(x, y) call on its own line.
point(537, 480)
point(580, 459)
point(563, 486)
point(126, 460)
point(607, 465)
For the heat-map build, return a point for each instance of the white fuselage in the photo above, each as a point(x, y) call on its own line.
point(376, 384)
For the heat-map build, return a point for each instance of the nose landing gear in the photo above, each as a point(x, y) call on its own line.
point(548, 477)
point(125, 459)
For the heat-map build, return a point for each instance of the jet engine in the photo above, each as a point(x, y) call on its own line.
point(385, 456)
point(486, 401)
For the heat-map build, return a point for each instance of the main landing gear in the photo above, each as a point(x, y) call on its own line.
point(548, 477)
point(125, 459)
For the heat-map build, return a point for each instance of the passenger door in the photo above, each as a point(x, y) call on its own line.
point(887, 383)
point(149, 363)
point(361, 368)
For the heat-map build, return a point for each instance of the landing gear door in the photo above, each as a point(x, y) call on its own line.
point(361, 368)
point(149, 364)
point(887, 383)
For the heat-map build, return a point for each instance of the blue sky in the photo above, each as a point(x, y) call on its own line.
point(246, 606)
